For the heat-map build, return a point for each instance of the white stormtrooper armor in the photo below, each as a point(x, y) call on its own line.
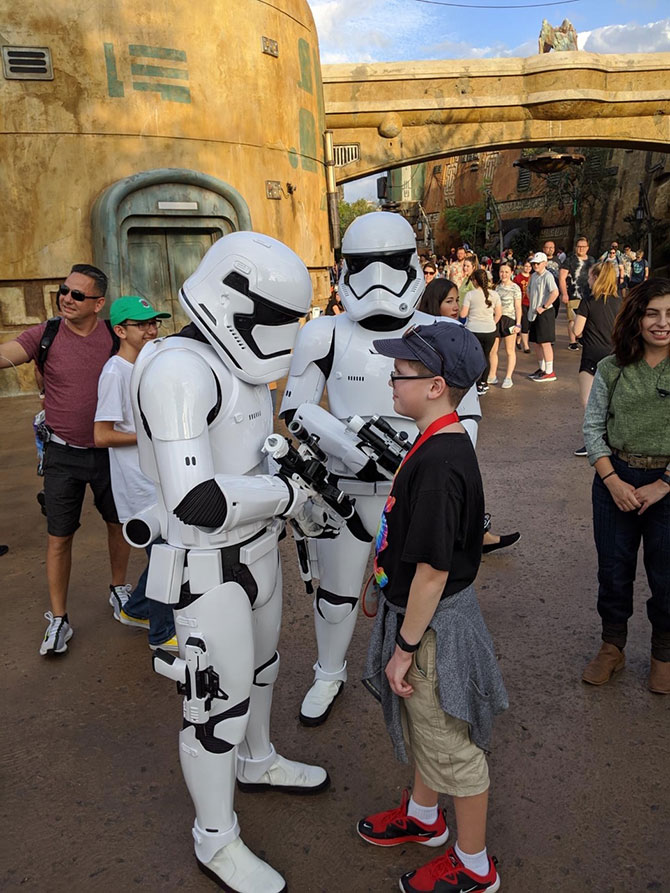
point(380, 285)
point(203, 411)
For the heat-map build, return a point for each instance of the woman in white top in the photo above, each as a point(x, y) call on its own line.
point(481, 312)
point(509, 325)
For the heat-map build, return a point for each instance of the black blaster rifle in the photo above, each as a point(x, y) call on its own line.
point(306, 467)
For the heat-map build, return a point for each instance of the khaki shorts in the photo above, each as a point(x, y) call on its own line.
point(440, 744)
point(572, 306)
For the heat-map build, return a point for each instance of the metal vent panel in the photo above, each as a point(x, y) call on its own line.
point(27, 63)
point(346, 154)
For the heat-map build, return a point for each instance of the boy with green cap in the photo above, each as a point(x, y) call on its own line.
point(135, 322)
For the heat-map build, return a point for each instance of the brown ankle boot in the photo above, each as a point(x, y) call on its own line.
point(608, 661)
point(659, 677)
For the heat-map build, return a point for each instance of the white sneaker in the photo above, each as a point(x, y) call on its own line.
point(236, 868)
point(58, 634)
point(507, 383)
point(118, 596)
point(287, 776)
point(319, 700)
point(493, 380)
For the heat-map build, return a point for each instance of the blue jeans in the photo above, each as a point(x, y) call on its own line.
point(161, 618)
point(618, 536)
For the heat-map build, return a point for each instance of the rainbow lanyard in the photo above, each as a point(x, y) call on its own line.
point(433, 428)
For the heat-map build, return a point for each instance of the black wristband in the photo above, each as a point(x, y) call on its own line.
point(665, 477)
point(608, 475)
point(403, 645)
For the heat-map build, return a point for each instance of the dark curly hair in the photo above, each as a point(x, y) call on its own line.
point(433, 295)
point(627, 336)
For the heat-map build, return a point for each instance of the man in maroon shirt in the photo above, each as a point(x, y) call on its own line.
point(80, 349)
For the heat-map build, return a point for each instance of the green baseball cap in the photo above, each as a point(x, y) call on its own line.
point(133, 307)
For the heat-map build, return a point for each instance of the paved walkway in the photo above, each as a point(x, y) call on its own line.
point(93, 798)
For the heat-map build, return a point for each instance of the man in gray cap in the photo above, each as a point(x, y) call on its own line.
point(542, 292)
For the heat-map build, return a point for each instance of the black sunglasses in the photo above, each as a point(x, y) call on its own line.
point(76, 294)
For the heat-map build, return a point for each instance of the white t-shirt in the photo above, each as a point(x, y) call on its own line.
point(480, 317)
point(133, 491)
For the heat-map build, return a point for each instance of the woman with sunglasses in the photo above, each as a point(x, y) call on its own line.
point(627, 437)
point(429, 272)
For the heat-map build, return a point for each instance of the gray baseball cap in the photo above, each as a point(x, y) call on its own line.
point(446, 348)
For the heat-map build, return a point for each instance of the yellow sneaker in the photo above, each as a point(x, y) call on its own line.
point(168, 645)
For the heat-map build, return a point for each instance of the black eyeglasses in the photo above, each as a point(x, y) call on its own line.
point(143, 326)
point(76, 294)
point(395, 376)
point(412, 333)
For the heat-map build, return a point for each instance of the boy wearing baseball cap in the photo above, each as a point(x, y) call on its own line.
point(135, 322)
point(431, 659)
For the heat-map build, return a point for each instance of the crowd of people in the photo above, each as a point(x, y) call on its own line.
point(429, 629)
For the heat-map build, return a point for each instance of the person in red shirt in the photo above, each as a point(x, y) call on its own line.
point(81, 347)
point(522, 279)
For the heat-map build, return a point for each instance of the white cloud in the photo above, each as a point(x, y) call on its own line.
point(368, 30)
point(395, 30)
point(653, 37)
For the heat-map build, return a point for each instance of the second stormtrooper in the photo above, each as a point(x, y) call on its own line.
point(380, 286)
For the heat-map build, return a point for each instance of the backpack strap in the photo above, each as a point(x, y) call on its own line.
point(48, 335)
point(50, 332)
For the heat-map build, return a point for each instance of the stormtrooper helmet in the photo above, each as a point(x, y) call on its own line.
point(247, 297)
point(381, 274)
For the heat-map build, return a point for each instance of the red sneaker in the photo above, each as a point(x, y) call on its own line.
point(394, 826)
point(447, 874)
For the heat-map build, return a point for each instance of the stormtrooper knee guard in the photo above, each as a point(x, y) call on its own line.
point(271, 771)
point(335, 620)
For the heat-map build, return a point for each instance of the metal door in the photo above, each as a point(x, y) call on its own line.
point(160, 260)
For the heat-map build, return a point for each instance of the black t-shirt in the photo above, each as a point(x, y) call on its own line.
point(434, 515)
point(597, 336)
point(578, 276)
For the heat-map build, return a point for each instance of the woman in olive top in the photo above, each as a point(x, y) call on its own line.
point(627, 437)
point(469, 267)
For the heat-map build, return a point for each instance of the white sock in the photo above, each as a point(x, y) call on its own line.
point(549, 367)
point(425, 814)
point(543, 365)
point(478, 863)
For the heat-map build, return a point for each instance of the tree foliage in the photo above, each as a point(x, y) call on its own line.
point(468, 222)
point(351, 210)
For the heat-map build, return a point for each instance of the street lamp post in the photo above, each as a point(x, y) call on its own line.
point(491, 209)
point(643, 213)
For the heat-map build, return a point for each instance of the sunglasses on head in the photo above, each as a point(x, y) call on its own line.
point(76, 294)
point(420, 350)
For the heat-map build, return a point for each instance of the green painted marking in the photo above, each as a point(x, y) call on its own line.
point(307, 140)
point(158, 71)
point(293, 156)
point(305, 58)
point(139, 49)
point(171, 92)
point(321, 111)
point(114, 85)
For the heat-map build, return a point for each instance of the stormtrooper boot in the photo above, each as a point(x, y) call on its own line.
point(319, 700)
point(275, 773)
point(236, 869)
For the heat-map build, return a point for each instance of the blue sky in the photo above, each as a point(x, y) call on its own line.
point(400, 30)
